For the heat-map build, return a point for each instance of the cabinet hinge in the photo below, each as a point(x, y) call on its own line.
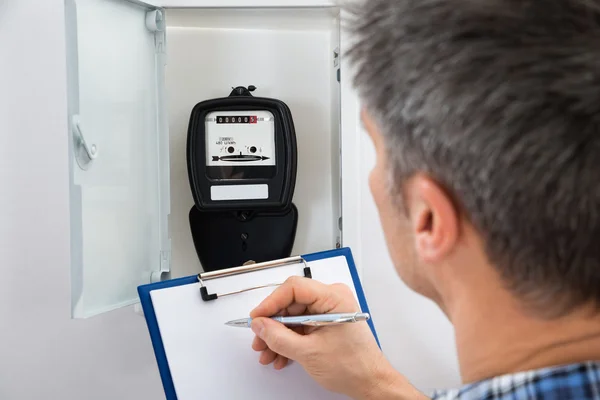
point(155, 22)
point(336, 62)
point(165, 260)
point(160, 44)
point(165, 266)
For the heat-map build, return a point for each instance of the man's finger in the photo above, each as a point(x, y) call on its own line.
point(296, 309)
point(258, 344)
point(304, 291)
point(280, 362)
point(267, 357)
point(279, 338)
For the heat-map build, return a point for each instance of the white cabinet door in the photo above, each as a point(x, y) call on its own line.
point(118, 152)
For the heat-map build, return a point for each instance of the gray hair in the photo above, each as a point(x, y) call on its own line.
point(498, 101)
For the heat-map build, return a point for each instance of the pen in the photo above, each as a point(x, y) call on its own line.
point(308, 320)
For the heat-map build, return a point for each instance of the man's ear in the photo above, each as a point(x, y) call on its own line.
point(434, 217)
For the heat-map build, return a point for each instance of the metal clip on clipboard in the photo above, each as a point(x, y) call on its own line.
point(206, 276)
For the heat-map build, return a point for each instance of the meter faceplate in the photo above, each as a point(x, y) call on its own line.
point(236, 165)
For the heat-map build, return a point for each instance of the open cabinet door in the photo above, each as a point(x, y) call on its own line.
point(119, 167)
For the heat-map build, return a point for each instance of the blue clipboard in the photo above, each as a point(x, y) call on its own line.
point(151, 321)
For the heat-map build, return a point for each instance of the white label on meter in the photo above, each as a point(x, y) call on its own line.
point(239, 192)
point(240, 138)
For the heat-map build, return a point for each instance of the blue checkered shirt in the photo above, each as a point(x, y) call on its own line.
point(568, 382)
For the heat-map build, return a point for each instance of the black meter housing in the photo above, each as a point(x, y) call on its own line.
point(204, 177)
point(242, 163)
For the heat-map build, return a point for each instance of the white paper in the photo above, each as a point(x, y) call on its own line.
point(208, 359)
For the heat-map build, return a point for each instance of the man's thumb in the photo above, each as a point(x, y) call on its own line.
point(278, 337)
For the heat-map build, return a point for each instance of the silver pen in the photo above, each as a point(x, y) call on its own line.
point(308, 320)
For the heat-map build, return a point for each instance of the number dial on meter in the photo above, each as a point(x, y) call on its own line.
point(240, 145)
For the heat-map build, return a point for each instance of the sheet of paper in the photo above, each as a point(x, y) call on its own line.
point(210, 360)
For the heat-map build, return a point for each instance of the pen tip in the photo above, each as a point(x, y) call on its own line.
point(241, 323)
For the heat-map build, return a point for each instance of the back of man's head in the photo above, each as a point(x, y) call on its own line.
point(499, 101)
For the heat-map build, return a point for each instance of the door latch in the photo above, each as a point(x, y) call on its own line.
point(89, 151)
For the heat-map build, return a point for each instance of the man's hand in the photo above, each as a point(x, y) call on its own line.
point(343, 358)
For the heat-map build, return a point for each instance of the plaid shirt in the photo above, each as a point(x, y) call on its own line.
point(568, 382)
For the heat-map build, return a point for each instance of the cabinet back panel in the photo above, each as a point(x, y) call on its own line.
point(288, 56)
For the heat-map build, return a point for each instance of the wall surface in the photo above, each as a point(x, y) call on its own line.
point(45, 354)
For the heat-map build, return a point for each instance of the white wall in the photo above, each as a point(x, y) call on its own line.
point(45, 354)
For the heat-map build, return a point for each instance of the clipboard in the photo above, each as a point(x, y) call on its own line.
point(205, 294)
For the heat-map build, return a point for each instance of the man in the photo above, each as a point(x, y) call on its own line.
point(485, 116)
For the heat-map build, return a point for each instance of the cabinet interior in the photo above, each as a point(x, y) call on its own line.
point(288, 54)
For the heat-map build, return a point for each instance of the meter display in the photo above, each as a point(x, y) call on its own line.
point(240, 145)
